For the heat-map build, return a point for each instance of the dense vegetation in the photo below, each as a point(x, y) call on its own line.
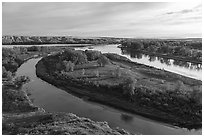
point(191, 50)
point(121, 83)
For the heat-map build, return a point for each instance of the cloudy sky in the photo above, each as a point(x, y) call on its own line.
point(140, 20)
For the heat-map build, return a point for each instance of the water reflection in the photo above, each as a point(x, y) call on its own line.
point(168, 62)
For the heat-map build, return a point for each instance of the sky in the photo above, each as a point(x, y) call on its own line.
point(112, 19)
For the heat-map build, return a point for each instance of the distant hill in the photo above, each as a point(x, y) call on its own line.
point(188, 39)
point(32, 40)
point(8, 40)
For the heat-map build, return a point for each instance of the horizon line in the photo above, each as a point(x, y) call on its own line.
point(105, 37)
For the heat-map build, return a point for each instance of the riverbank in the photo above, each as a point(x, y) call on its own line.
point(167, 56)
point(167, 111)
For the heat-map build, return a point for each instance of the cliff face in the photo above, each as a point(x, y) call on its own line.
point(6, 40)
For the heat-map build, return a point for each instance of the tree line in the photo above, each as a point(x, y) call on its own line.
point(186, 49)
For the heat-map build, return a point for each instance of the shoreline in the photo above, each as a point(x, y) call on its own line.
point(165, 56)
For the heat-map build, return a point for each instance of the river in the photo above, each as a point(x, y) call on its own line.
point(53, 99)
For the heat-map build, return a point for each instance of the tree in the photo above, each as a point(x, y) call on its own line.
point(19, 81)
point(75, 56)
point(9, 75)
point(6, 74)
point(137, 45)
point(83, 72)
point(180, 87)
point(68, 65)
point(71, 66)
point(81, 58)
point(58, 66)
point(129, 86)
point(118, 72)
point(92, 54)
point(164, 49)
point(97, 73)
point(196, 94)
point(33, 48)
point(103, 60)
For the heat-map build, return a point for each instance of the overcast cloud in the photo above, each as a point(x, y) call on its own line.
point(143, 20)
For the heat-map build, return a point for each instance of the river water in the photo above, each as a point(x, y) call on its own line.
point(53, 99)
